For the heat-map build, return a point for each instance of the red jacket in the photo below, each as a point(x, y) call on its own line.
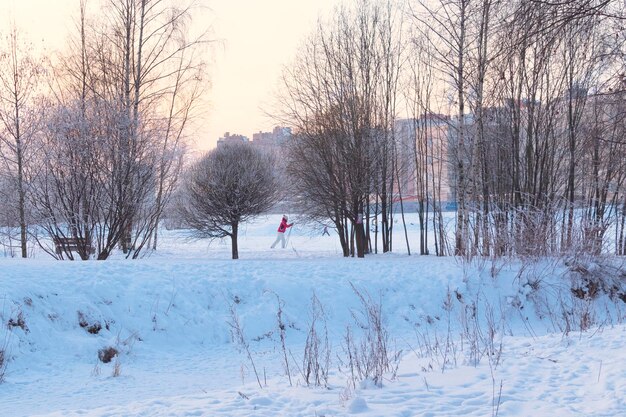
point(283, 226)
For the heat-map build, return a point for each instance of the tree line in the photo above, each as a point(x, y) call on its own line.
point(92, 140)
point(532, 143)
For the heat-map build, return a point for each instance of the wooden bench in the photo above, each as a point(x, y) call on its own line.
point(72, 244)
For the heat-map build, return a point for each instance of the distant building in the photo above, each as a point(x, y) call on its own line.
point(424, 158)
point(272, 141)
point(276, 143)
point(235, 138)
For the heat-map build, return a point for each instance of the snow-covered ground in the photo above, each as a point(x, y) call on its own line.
point(477, 339)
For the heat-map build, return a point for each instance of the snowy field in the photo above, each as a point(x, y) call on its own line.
point(479, 339)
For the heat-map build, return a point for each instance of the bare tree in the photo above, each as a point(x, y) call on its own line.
point(123, 98)
point(445, 23)
point(76, 191)
point(226, 187)
point(155, 64)
point(429, 142)
point(340, 98)
point(20, 74)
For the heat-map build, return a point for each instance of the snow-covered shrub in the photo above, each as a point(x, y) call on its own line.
point(440, 349)
point(4, 340)
point(571, 293)
point(595, 276)
point(470, 330)
point(482, 331)
point(593, 279)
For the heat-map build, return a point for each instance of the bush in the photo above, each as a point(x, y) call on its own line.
point(107, 354)
point(592, 277)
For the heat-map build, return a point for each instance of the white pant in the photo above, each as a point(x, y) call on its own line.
point(280, 237)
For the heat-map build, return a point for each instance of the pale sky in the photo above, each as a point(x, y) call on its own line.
point(257, 38)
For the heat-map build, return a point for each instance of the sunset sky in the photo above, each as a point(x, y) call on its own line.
point(256, 38)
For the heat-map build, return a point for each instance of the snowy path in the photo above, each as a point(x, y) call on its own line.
point(549, 376)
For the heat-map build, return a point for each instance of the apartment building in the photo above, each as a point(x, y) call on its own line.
point(229, 138)
point(272, 141)
point(424, 159)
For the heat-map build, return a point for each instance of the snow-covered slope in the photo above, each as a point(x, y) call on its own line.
point(170, 317)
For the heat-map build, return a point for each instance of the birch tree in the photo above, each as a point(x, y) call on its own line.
point(20, 74)
point(445, 23)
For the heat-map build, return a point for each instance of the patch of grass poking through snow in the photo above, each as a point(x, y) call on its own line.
point(369, 355)
point(18, 322)
point(3, 359)
point(282, 327)
point(316, 358)
point(117, 368)
point(92, 328)
point(4, 344)
point(96, 370)
point(239, 338)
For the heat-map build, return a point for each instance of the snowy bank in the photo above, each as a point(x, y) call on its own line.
point(474, 339)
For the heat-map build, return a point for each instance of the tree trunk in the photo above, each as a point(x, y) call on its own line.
point(360, 236)
point(20, 178)
point(20, 185)
point(462, 220)
point(233, 238)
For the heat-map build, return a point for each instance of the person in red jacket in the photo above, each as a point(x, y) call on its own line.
point(280, 237)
